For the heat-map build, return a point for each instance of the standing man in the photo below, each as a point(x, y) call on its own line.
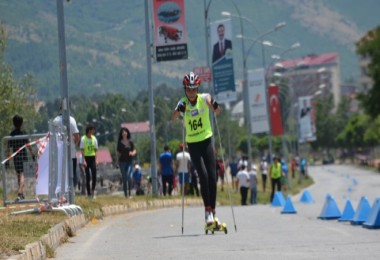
point(74, 141)
point(275, 173)
point(222, 45)
point(243, 182)
point(21, 157)
point(182, 168)
point(166, 170)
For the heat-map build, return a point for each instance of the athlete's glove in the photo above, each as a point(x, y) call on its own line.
point(215, 104)
point(181, 107)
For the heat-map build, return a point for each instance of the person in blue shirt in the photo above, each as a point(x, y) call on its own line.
point(137, 176)
point(284, 177)
point(166, 171)
point(303, 167)
point(233, 170)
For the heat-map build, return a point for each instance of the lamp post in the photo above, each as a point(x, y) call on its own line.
point(247, 112)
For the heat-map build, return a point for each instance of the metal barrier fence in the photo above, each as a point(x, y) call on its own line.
point(54, 175)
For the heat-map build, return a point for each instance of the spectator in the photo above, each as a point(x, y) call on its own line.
point(284, 177)
point(194, 180)
point(233, 170)
point(125, 153)
point(303, 167)
point(275, 173)
point(20, 157)
point(264, 172)
point(293, 167)
point(166, 171)
point(82, 170)
point(73, 142)
point(182, 168)
point(89, 147)
point(253, 184)
point(137, 177)
point(243, 182)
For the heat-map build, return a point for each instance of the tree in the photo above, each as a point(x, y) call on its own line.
point(368, 46)
point(325, 123)
point(353, 135)
point(16, 96)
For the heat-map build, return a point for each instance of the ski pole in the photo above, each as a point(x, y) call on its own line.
point(228, 186)
point(183, 174)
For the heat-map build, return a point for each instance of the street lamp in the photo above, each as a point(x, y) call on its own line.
point(245, 54)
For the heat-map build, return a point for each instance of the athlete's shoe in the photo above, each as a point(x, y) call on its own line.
point(209, 218)
point(20, 196)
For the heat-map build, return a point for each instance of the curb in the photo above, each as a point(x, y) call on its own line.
point(62, 231)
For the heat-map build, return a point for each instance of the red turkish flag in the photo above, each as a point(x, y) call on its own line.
point(275, 110)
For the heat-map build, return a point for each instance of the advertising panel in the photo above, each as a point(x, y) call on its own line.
point(222, 61)
point(169, 30)
point(306, 119)
point(257, 101)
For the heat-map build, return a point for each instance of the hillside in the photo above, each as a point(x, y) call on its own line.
point(106, 39)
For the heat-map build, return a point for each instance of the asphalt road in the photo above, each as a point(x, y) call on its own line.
point(262, 231)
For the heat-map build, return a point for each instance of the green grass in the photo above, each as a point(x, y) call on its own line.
point(20, 230)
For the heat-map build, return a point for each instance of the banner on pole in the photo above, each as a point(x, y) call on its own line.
point(222, 61)
point(275, 110)
point(257, 101)
point(203, 72)
point(306, 120)
point(169, 30)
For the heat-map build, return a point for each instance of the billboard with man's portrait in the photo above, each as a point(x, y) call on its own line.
point(222, 61)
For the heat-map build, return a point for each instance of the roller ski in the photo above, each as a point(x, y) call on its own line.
point(213, 224)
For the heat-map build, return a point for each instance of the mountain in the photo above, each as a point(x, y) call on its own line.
point(106, 50)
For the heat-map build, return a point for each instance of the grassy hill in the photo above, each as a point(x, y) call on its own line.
point(106, 39)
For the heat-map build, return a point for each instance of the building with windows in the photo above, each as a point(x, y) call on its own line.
point(311, 75)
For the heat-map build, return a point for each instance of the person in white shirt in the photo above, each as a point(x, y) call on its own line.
point(243, 182)
point(264, 172)
point(74, 141)
point(182, 168)
point(253, 184)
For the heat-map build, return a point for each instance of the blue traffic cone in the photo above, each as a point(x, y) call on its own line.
point(330, 210)
point(288, 208)
point(362, 212)
point(278, 199)
point(348, 212)
point(354, 181)
point(373, 220)
point(306, 197)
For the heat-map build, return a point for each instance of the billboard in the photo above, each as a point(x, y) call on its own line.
point(257, 101)
point(306, 120)
point(169, 30)
point(222, 61)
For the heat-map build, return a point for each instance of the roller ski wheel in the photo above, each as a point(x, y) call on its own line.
point(215, 227)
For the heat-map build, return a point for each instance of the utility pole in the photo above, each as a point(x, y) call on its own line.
point(65, 94)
